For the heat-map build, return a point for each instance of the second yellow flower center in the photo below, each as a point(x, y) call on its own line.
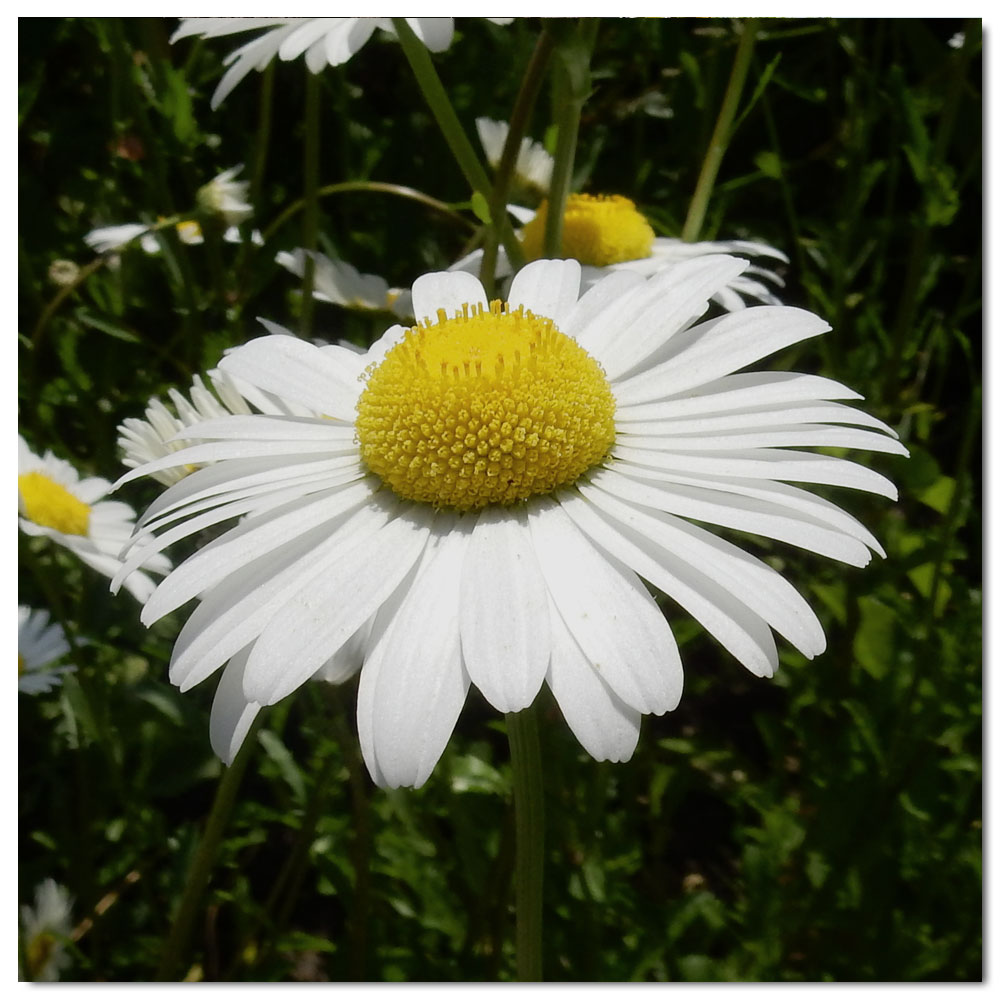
point(597, 230)
point(51, 505)
point(489, 406)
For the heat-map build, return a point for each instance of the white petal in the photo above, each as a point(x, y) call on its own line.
point(232, 715)
point(435, 32)
point(608, 611)
point(594, 319)
point(547, 288)
point(504, 616)
point(716, 348)
point(606, 727)
point(741, 631)
point(749, 579)
point(325, 613)
point(421, 683)
point(298, 371)
point(447, 290)
point(807, 435)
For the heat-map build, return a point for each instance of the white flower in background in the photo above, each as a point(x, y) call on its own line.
point(325, 41)
point(110, 239)
point(474, 501)
point(39, 644)
point(225, 197)
point(45, 931)
point(957, 40)
point(608, 233)
point(145, 440)
point(343, 284)
point(534, 165)
point(54, 501)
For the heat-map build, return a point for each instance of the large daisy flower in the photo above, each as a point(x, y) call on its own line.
point(608, 233)
point(54, 501)
point(39, 644)
point(478, 499)
point(325, 41)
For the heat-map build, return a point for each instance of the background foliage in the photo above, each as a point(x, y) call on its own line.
point(825, 825)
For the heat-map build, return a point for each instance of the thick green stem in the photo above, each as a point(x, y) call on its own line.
point(310, 219)
point(529, 820)
point(204, 859)
point(572, 83)
point(517, 126)
point(721, 134)
point(451, 128)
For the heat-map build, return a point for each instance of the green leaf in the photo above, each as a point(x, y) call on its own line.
point(874, 642)
point(481, 208)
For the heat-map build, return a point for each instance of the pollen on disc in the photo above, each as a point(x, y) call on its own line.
point(487, 407)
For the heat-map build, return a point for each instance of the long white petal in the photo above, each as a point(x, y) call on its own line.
point(504, 617)
point(609, 613)
point(448, 290)
point(422, 684)
point(325, 613)
point(232, 715)
point(806, 435)
point(741, 631)
point(547, 288)
point(606, 727)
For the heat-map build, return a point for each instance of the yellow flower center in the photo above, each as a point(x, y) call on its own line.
point(51, 505)
point(597, 230)
point(490, 406)
point(189, 231)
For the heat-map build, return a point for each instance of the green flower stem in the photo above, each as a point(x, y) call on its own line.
point(721, 134)
point(376, 187)
point(310, 220)
point(517, 126)
point(201, 867)
point(572, 87)
point(529, 820)
point(451, 128)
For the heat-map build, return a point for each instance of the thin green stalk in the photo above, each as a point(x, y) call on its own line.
point(721, 135)
point(451, 128)
point(572, 87)
point(517, 126)
point(529, 820)
point(310, 219)
point(377, 187)
point(201, 868)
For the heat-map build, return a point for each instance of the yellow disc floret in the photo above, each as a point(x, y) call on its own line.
point(597, 230)
point(490, 406)
point(51, 505)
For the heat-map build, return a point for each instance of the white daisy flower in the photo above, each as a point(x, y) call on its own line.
point(145, 440)
point(225, 197)
point(325, 41)
point(534, 165)
point(474, 501)
point(110, 239)
point(45, 931)
point(54, 501)
point(608, 233)
point(39, 644)
point(342, 284)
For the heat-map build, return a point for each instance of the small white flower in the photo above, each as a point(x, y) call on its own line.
point(534, 165)
point(474, 501)
point(342, 284)
point(45, 932)
point(325, 41)
point(110, 239)
point(226, 197)
point(54, 501)
point(957, 40)
point(39, 645)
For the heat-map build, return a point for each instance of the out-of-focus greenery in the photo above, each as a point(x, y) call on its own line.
point(825, 825)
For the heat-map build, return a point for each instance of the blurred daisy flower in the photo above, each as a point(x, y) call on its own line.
point(343, 284)
point(111, 239)
point(325, 41)
point(45, 931)
point(55, 502)
point(39, 645)
point(225, 197)
point(477, 499)
point(143, 440)
point(533, 169)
